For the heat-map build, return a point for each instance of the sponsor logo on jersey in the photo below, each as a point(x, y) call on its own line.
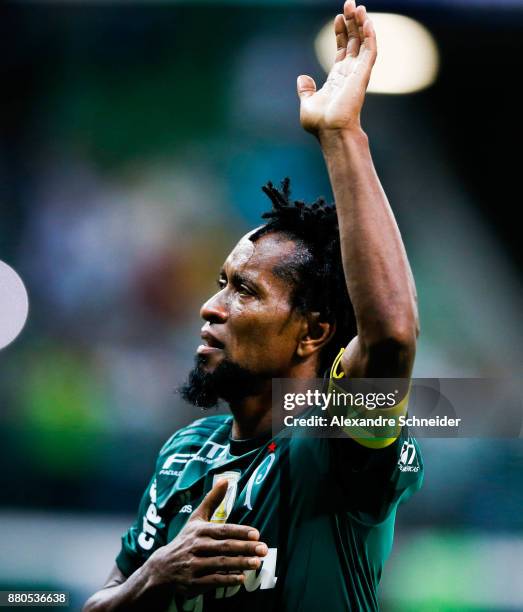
point(214, 451)
point(408, 461)
point(187, 509)
point(177, 458)
point(263, 578)
point(150, 521)
point(170, 472)
point(209, 453)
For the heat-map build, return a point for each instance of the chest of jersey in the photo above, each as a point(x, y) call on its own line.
point(252, 499)
point(288, 490)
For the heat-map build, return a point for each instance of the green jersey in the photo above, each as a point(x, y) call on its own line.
point(324, 507)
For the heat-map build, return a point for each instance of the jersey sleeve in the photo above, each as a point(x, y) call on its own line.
point(149, 530)
point(145, 535)
point(375, 467)
point(372, 482)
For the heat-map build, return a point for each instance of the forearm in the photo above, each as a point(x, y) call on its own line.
point(375, 263)
point(139, 592)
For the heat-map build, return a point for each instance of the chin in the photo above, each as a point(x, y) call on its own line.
point(210, 362)
point(216, 377)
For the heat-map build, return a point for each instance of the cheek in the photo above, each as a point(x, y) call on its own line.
point(263, 334)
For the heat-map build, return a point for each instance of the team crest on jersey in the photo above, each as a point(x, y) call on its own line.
point(257, 477)
point(408, 461)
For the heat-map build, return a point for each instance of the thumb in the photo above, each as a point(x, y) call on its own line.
point(211, 501)
point(306, 86)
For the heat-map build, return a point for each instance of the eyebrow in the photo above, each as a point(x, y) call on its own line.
point(237, 278)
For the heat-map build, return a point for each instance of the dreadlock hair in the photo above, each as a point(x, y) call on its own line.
point(315, 270)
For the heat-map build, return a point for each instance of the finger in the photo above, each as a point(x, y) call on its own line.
point(229, 532)
point(211, 501)
point(209, 547)
point(211, 565)
point(342, 37)
point(218, 580)
point(306, 86)
point(360, 16)
point(370, 37)
point(349, 12)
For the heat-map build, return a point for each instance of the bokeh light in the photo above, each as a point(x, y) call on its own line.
point(14, 304)
point(408, 57)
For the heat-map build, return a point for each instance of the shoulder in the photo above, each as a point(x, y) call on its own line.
point(196, 434)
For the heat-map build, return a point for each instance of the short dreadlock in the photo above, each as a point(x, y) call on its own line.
point(315, 270)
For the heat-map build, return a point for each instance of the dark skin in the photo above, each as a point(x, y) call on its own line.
point(194, 562)
point(252, 316)
point(251, 321)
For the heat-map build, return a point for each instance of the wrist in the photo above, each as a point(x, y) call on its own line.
point(152, 573)
point(157, 585)
point(334, 139)
point(344, 147)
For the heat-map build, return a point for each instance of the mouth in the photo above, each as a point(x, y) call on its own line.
point(211, 344)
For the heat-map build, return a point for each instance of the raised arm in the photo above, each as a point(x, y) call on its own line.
point(377, 272)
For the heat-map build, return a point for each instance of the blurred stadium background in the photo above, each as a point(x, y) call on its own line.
point(134, 140)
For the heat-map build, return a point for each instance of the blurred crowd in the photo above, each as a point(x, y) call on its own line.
point(134, 145)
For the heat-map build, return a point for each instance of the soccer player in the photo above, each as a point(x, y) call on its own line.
point(237, 518)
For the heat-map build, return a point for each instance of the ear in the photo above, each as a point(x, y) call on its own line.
point(315, 335)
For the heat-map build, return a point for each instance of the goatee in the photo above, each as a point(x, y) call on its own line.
point(228, 381)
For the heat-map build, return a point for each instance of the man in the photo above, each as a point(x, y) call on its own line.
point(236, 518)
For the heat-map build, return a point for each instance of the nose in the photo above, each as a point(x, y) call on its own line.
point(214, 309)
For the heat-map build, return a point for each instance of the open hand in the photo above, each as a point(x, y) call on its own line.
point(337, 105)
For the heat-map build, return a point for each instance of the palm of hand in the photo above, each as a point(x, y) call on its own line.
point(338, 103)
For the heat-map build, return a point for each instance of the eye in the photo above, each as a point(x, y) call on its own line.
point(221, 282)
point(245, 290)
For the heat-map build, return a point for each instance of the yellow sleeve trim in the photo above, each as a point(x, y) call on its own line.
point(334, 370)
point(371, 433)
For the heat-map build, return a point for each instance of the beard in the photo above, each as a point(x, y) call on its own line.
point(228, 381)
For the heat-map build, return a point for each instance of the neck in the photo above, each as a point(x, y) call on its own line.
point(253, 414)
